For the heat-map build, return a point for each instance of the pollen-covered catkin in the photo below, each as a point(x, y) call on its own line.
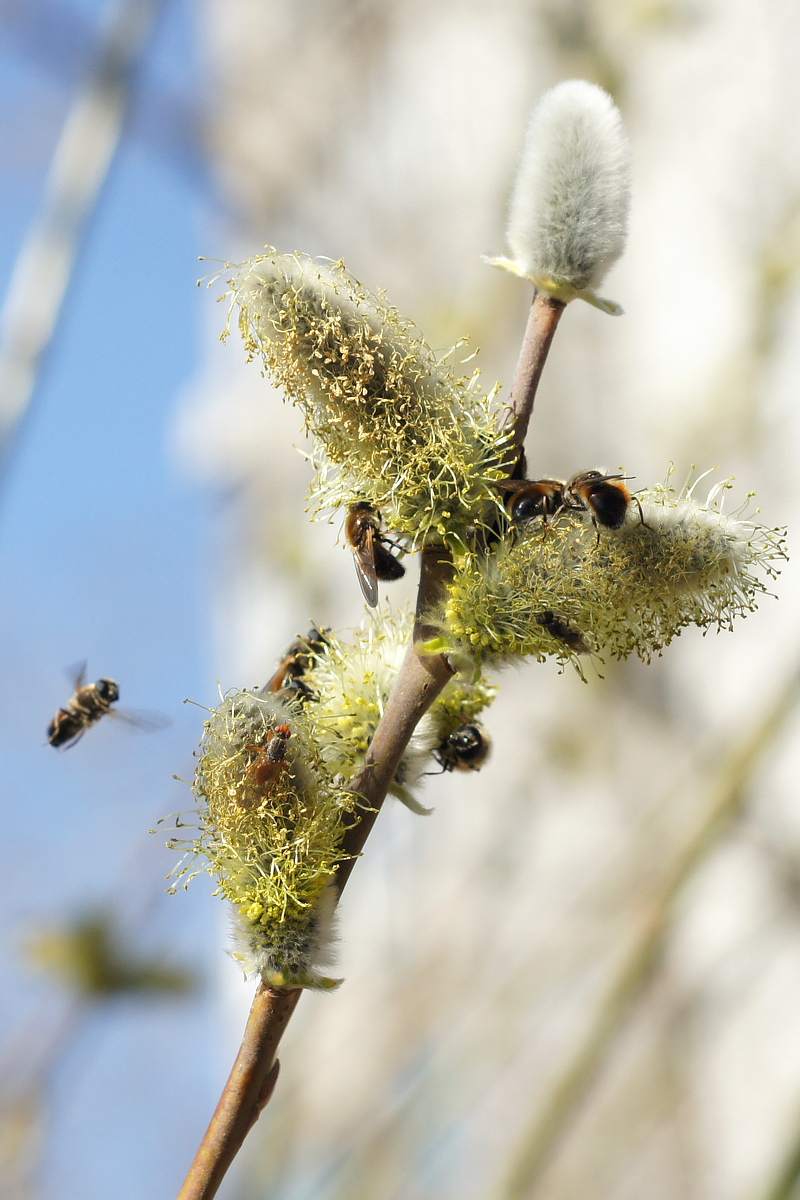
point(620, 592)
point(270, 834)
point(394, 425)
point(350, 682)
point(567, 220)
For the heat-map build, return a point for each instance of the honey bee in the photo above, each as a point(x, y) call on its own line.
point(373, 561)
point(297, 660)
point(604, 497)
point(559, 629)
point(532, 498)
point(270, 760)
point(91, 702)
point(465, 749)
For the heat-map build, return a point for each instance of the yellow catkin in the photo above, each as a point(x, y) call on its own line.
point(350, 680)
point(272, 846)
point(393, 424)
point(630, 592)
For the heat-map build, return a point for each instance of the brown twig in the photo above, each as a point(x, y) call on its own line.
point(542, 323)
point(248, 1089)
point(249, 1086)
point(419, 681)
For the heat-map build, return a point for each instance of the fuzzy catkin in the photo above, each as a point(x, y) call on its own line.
point(631, 592)
point(273, 848)
point(394, 425)
point(568, 214)
point(350, 682)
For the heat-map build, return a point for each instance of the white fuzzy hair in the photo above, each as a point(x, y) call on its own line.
point(568, 213)
point(722, 542)
point(289, 954)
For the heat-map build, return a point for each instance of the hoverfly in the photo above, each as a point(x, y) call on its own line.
point(90, 702)
point(373, 561)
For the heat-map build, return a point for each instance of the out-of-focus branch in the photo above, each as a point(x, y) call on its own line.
point(419, 681)
point(58, 38)
point(27, 1074)
point(80, 165)
point(727, 797)
point(784, 1185)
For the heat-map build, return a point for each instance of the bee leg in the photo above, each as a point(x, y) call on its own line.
point(441, 771)
point(641, 515)
point(549, 519)
point(520, 467)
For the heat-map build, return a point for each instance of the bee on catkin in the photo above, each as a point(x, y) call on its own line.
point(351, 682)
point(271, 825)
point(670, 563)
point(394, 424)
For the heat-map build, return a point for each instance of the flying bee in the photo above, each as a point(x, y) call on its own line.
point(604, 497)
point(270, 760)
point(465, 749)
point(297, 660)
point(91, 702)
point(572, 638)
point(532, 498)
point(373, 561)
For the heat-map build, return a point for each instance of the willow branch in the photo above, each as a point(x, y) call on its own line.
point(419, 681)
point(726, 803)
point(249, 1087)
point(543, 321)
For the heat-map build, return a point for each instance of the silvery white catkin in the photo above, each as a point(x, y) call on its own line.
point(568, 214)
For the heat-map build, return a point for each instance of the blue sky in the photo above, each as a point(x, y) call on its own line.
point(102, 558)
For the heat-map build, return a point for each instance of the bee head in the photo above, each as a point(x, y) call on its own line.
point(466, 748)
point(108, 690)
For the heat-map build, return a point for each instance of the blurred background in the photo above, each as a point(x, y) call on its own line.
point(580, 977)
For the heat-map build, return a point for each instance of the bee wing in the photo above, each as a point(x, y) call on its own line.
point(277, 680)
point(364, 557)
point(76, 674)
point(143, 719)
point(511, 485)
